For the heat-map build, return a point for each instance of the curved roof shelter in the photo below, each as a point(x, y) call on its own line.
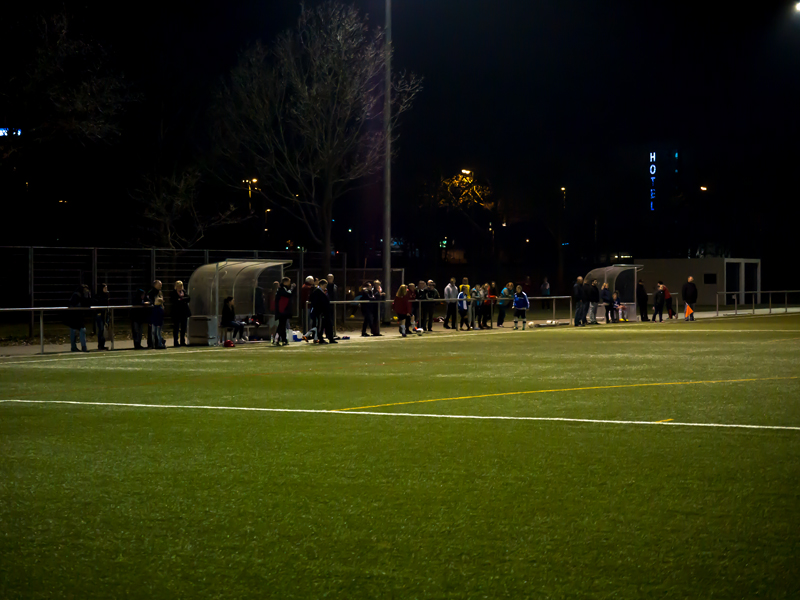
point(620, 278)
point(210, 284)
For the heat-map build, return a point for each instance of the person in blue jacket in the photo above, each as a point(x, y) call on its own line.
point(521, 304)
point(463, 308)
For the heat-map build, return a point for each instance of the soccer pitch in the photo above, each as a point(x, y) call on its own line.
point(628, 461)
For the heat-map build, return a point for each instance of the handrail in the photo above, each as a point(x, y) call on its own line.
point(51, 308)
point(769, 293)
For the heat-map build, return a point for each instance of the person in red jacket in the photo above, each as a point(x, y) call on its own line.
point(402, 306)
point(667, 299)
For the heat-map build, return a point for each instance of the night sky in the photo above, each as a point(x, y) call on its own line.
point(531, 95)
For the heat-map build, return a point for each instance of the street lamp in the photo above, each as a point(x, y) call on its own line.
point(703, 188)
point(387, 132)
point(466, 171)
point(797, 7)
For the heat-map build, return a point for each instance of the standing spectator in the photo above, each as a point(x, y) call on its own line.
point(155, 290)
point(431, 293)
point(521, 304)
point(667, 299)
point(380, 308)
point(450, 297)
point(689, 293)
point(545, 293)
point(658, 304)
point(272, 317)
point(138, 317)
point(333, 296)
point(402, 306)
point(101, 316)
point(179, 303)
point(641, 300)
point(606, 301)
point(476, 294)
point(305, 292)
point(157, 322)
point(320, 307)
point(419, 307)
point(367, 308)
point(594, 300)
point(81, 298)
point(463, 308)
point(527, 286)
point(486, 306)
point(587, 287)
point(504, 303)
point(413, 294)
point(283, 309)
point(579, 296)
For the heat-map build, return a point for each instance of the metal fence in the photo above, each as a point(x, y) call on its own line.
point(776, 300)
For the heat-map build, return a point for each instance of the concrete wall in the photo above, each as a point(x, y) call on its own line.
point(675, 271)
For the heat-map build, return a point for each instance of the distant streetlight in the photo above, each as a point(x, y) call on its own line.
point(797, 7)
point(703, 188)
point(466, 171)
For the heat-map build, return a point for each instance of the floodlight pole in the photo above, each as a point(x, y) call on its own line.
point(387, 176)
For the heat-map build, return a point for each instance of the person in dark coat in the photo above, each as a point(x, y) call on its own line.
point(139, 316)
point(157, 322)
point(101, 298)
point(229, 319)
point(320, 306)
point(579, 297)
point(658, 304)
point(333, 296)
point(594, 300)
point(81, 298)
point(689, 293)
point(368, 308)
point(179, 305)
point(428, 307)
point(283, 309)
point(641, 300)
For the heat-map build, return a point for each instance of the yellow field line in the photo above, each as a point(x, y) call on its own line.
point(598, 387)
point(664, 421)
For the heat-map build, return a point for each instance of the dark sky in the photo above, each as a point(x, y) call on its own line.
point(531, 94)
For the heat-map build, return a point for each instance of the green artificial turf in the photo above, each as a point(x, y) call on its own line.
point(116, 501)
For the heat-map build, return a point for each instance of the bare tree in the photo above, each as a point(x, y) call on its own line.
point(306, 114)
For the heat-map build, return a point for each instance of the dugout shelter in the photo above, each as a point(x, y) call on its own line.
point(246, 280)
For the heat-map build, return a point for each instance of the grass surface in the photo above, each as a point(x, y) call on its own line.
point(116, 501)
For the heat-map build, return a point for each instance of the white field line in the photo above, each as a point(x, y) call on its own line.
point(393, 414)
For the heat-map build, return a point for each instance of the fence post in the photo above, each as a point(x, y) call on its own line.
point(30, 288)
point(717, 304)
point(736, 304)
point(754, 304)
point(41, 329)
point(770, 303)
point(344, 290)
point(554, 310)
point(111, 329)
point(94, 270)
point(786, 302)
point(152, 264)
point(300, 280)
point(570, 308)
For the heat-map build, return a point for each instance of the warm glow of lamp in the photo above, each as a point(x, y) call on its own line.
point(466, 171)
point(703, 188)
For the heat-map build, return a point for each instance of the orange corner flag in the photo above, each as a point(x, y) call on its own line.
point(689, 311)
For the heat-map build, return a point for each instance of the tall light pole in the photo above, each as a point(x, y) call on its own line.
point(387, 176)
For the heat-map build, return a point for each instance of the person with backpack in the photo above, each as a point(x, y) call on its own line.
point(283, 309)
point(521, 304)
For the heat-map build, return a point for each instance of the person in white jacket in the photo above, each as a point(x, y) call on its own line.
point(450, 296)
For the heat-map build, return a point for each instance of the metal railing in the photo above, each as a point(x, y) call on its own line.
point(753, 296)
point(51, 309)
